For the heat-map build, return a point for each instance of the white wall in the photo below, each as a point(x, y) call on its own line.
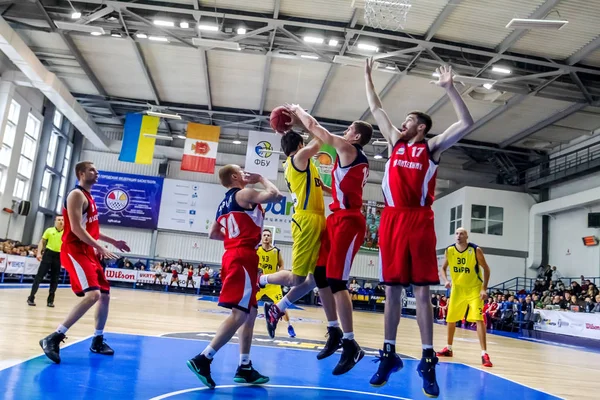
point(503, 268)
point(441, 209)
point(566, 249)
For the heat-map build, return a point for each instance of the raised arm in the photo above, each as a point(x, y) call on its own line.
point(459, 129)
point(303, 156)
point(247, 197)
point(388, 130)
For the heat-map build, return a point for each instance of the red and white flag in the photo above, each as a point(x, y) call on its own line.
point(200, 150)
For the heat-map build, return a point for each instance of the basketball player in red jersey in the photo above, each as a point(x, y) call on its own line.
point(346, 227)
point(239, 223)
point(79, 256)
point(407, 236)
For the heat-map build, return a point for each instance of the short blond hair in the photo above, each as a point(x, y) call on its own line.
point(226, 173)
point(81, 167)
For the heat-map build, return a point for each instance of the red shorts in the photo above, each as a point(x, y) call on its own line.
point(239, 273)
point(84, 268)
point(346, 232)
point(407, 243)
point(324, 249)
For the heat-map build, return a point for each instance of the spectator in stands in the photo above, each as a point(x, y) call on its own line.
point(592, 291)
point(539, 286)
point(575, 288)
point(558, 301)
point(574, 303)
point(556, 275)
point(443, 305)
point(491, 312)
point(139, 265)
point(585, 283)
point(597, 306)
point(354, 286)
point(527, 311)
point(379, 290)
point(588, 306)
point(537, 301)
point(368, 285)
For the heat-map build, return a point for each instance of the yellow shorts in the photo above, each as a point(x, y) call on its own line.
point(307, 228)
point(460, 300)
point(273, 292)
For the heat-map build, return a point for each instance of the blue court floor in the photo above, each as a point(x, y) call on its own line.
point(148, 367)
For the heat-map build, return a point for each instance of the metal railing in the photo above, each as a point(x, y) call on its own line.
point(515, 284)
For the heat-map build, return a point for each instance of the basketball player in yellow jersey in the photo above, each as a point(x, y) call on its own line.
point(469, 289)
point(269, 262)
point(308, 224)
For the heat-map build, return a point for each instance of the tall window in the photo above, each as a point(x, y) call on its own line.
point(8, 141)
point(51, 157)
point(25, 168)
point(487, 220)
point(455, 218)
point(46, 180)
point(58, 119)
point(63, 178)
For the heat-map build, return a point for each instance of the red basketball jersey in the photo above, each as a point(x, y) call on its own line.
point(347, 182)
point(89, 219)
point(409, 179)
point(243, 227)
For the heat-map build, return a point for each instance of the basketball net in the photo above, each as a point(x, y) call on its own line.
point(386, 14)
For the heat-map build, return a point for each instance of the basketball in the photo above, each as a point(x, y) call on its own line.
point(279, 120)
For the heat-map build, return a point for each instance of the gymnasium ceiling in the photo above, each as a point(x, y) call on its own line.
point(550, 98)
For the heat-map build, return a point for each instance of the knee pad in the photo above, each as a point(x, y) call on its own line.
point(321, 277)
point(337, 285)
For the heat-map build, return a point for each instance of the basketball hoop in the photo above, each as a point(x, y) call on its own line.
point(386, 14)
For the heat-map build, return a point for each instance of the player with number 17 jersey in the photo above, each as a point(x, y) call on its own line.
point(242, 228)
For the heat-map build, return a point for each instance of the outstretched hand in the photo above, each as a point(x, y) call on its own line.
point(369, 66)
point(251, 178)
point(291, 111)
point(121, 245)
point(445, 78)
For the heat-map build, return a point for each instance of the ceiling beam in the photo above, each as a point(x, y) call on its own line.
point(250, 34)
point(581, 86)
point(204, 61)
point(97, 15)
point(265, 84)
point(584, 51)
point(517, 34)
point(542, 124)
point(303, 43)
point(165, 31)
point(441, 18)
point(513, 101)
point(532, 76)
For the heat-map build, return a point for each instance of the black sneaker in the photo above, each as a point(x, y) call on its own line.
point(51, 305)
point(247, 374)
point(200, 365)
point(426, 370)
point(334, 342)
point(351, 355)
point(99, 346)
point(272, 317)
point(388, 364)
point(31, 302)
point(51, 346)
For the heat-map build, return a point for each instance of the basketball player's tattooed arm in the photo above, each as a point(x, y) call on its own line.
point(447, 282)
point(345, 150)
point(486, 272)
point(76, 205)
point(459, 129)
point(388, 130)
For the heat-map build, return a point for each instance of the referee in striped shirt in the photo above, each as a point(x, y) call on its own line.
point(50, 260)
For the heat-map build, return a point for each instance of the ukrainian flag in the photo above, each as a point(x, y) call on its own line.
point(136, 147)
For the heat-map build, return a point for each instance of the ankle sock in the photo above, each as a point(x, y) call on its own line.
point(209, 352)
point(62, 329)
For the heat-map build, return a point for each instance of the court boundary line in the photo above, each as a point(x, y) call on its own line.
point(39, 355)
point(511, 380)
point(176, 393)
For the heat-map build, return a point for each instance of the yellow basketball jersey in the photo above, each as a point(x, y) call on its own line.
point(268, 259)
point(464, 270)
point(305, 187)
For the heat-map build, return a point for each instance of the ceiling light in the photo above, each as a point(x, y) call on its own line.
point(76, 15)
point(471, 80)
point(184, 24)
point(236, 142)
point(115, 34)
point(390, 68)
point(158, 38)
point(141, 36)
point(313, 39)
point(212, 43)
point(160, 22)
point(162, 115)
point(378, 156)
point(180, 137)
point(368, 47)
point(333, 42)
point(526, 23)
point(96, 33)
point(204, 27)
point(241, 31)
point(501, 70)
point(158, 137)
point(488, 86)
point(353, 61)
point(380, 142)
point(435, 75)
point(309, 56)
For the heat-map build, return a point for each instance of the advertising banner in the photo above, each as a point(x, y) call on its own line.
point(324, 160)
point(262, 154)
point(569, 323)
point(372, 212)
point(11, 264)
point(128, 200)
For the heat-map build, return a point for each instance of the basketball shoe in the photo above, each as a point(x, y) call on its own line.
point(351, 355)
point(444, 353)
point(272, 317)
point(200, 365)
point(291, 331)
point(334, 342)
point(99, 346)
point(247, 374)
point(426, 370)
point(389, 362)
point(51, 346)
point(485, 361)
